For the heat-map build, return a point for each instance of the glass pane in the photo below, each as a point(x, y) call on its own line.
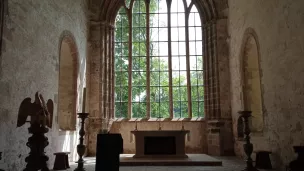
point(154, 20)
point(201, 93)
point(194, 77)
point(154, 34)
point(181, 34)
point(143, 64)
point(153, 93)
point(177, 109)
point(194, 93)
point(135, 110)
point(201, 109)
point(125, 49)
point(154, 110)
point(181, 18)
point(135, 19)
point(191, 19)
point(192, 35)
point(199, 48)
point(174, 20)
point(135, 94)
point(142, 110)
point(154, 80)
point(193, 61)
point(124, 94)
point(135, 63)
point(163, 63)
point(183, 65)
point(163, 49)
point(183, 93)
point(124, 79)
point(135, 49)
point(164, 78)
point(140, 79)
point(164, 110)
point(184, 109)
point(176, 95)
point(192, 48)
point(163, 20)
point(163, 34)
point(200, 78)
point(197, 19)
point(164, 94)
point(195, 110)
point(174, 34)
point(175, 63)
point(174, 6)
point(198, 33)
point(175, 49)
point(200, 64)
point(118, 110)
point(124, 110)
point(182, 48)
point(117, 94)
point(154, 64)
point(162, 6)
point(175, 78)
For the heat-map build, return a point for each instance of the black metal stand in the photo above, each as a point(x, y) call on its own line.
point(248, 147)
point(37, 142)
point(81, 147)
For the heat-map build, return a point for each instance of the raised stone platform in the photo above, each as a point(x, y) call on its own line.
point(192, 160)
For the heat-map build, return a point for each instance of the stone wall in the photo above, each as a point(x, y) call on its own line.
point(30, 63)
point(279, 28)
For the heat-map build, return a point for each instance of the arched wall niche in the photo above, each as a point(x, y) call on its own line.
point(67, 88)
point(251, 80)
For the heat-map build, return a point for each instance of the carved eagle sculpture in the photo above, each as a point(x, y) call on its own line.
point(40, 112)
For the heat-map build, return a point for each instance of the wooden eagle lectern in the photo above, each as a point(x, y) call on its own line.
point(41, 116)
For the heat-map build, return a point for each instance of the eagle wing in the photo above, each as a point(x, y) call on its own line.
point(24, 111)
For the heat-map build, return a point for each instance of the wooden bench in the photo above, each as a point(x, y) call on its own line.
point(61, 161)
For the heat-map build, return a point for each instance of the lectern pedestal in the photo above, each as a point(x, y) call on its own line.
point(109, 147)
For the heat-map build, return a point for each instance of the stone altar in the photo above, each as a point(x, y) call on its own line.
point(160, 144)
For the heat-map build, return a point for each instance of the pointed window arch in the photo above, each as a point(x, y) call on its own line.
point(165, 68)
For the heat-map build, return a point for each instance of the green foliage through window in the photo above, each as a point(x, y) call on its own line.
point(159, 101)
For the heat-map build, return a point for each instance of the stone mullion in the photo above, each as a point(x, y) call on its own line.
point(129, 13)
point(187, 13)
point(170, 60)
point(148, 114)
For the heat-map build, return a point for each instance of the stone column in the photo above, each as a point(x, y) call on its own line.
point(94, 99)
point(220, 137)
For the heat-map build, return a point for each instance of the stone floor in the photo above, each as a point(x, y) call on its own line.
point(229, 164)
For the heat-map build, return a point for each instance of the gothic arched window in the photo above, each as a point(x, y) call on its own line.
point(159, 60)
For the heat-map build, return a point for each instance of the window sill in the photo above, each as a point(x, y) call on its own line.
point(199, 119)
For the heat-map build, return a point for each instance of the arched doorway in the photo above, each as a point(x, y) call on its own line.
point(252, 94)
point(67, 91)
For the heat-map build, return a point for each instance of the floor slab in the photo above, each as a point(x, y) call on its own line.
point(192, 160)
point(229, 164)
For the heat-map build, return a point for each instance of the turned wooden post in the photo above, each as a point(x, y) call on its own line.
point(81, 147)
point(248, 147)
